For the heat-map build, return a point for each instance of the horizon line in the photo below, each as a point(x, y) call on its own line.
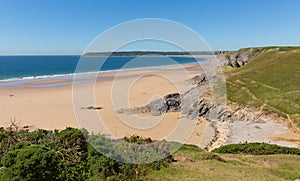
point(145, 51)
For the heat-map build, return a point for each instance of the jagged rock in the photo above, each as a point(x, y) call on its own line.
point(197, 102)
point(170, 103)
point(158, 107)
point(204, 107)
point(173, 102)
point(197, 80)
point(239, 58)
point(190, 101)
point(172, 96)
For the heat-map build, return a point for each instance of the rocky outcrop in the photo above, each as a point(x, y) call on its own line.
point(158, 107)
point(197, 80)
point(197, 102)
point(173, 102)
point(170, 103)
point(239, 58)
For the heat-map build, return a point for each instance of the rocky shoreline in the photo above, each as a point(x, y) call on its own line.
point(231, 124)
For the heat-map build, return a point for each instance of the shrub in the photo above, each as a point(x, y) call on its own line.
point(67, 155)
point(30, 163)
point(256, 149)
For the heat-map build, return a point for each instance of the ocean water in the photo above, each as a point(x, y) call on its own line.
point(24, 69)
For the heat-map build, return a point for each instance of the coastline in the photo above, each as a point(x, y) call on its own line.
point(51, 107)
point(56, 78)
point(48, 104)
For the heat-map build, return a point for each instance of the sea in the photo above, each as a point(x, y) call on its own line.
point(21, 70)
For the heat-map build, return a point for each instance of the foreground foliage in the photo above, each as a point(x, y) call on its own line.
point(65, 155)
point(30, 163)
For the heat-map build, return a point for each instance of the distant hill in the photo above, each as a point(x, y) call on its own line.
point(141, 53)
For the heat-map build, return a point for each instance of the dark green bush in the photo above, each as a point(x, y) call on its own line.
point(67, 155)
point(30, 163)
point(256, 149)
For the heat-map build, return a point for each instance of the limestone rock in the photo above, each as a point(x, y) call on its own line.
point(239, 58)
point(158, 107)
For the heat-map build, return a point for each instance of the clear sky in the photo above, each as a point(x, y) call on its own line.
point(68, 26)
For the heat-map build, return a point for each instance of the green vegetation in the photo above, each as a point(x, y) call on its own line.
point(279, 48)
point(256, 149)
point(67, 155)
point(30, 163)
point(270, 82)
point(201, 165)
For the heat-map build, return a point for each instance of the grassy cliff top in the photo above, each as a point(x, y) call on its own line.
point(195, 164)
point(270, 82)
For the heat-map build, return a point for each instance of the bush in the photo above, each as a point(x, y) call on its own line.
point(30, 163)
point(101, 166)
point(256, 149)
point(67, 155)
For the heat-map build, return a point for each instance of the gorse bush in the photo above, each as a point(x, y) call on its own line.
point(34, 162)
point(67, 155)
point(134, 149)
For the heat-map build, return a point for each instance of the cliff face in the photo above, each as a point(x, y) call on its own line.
point(197, 102)
point(226, 122)
point(239, 58)
point(239, 121)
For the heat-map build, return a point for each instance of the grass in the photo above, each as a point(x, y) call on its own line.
point(271, 81)
point(280, 48)
point(205, 166)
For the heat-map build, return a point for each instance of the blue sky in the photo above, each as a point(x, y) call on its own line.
point(68, 26)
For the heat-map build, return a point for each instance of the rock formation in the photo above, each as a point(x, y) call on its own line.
point(239, 58)
point(197, 102)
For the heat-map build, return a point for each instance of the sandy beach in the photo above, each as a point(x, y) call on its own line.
point(58, 107)
point(52, 107)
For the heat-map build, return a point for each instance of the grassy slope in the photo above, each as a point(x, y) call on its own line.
point(271, 82)
point(231, 167)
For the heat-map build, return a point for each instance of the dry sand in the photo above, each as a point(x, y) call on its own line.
point(52, 107)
